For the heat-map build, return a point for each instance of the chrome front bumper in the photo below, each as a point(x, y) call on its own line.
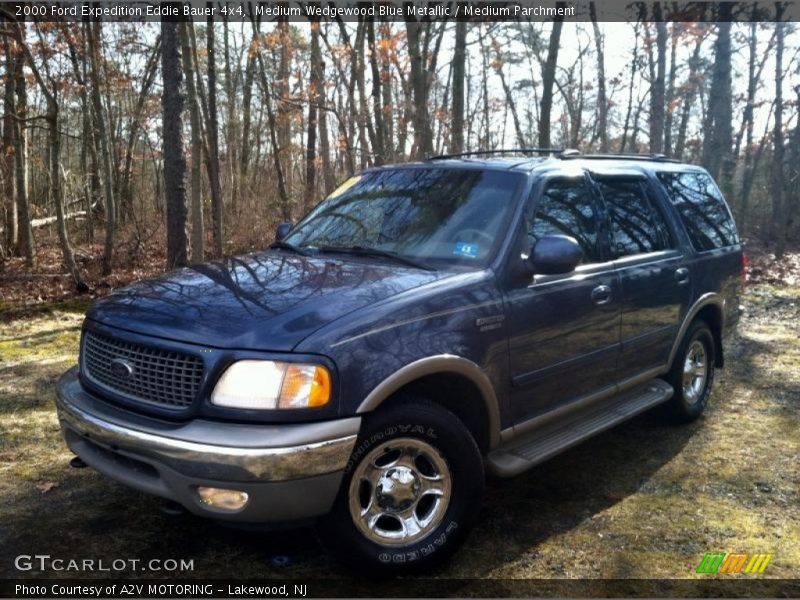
point(290, 471)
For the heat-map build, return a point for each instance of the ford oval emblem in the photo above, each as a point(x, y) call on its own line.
point(121, 369)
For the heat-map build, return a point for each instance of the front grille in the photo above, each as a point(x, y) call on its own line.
point(163, 377)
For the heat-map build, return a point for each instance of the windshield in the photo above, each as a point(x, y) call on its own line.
point(452, 215)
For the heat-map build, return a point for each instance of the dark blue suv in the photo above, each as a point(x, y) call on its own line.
point(424, 324)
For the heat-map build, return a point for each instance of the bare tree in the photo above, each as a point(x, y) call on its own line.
point(198, 229)
point(9, 203)
point(778, 217)
point(423, 134)
point(95, 33)
point(602, 100)
point(25, 245)
point(49, 88)
point(689, 92)
point(314, 87)
point(213, 141)
point(657, 81)
point(172, 101)
point(548, 80)
point(459, 64)
point(718, 141)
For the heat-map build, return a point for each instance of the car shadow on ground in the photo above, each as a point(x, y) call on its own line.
point(517, 514)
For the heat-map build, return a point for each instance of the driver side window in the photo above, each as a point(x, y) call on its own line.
point(566, 208)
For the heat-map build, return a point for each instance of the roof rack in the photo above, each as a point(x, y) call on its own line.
point(571, 153)
point(499, 151)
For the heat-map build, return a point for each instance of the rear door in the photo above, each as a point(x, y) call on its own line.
point(564, 329)
point(655, 279)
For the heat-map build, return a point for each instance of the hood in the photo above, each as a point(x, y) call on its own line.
point(262, 301)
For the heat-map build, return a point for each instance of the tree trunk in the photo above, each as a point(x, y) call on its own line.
point(198, 229)
point(232, 136)
point(213, 142)
point(172, 101)
point(657, 84)
point(718, 140)
point(387, 95)
point(748, 127)
point(459, 72)
point(282, 113)
point(381, 140)
point(631, 85)
point(510, 102)
point(102, 135)
point(314, 87)
point(324, 138)
point(25, 245)
point(9, 204)
point(126, 189)
point(548, 80)
point(602, 100)
point(247, 101)
point(285, 204)
point(689, 94)
point(670, 96)
point(778, 216)
point(423, 134)
point(57, 194)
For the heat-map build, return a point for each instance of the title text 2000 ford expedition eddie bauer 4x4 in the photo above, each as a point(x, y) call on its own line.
point(422, 325)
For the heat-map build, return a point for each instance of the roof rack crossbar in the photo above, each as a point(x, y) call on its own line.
point(611, 155)
point(498, 151)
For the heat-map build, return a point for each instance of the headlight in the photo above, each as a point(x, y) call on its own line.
point(266, 384)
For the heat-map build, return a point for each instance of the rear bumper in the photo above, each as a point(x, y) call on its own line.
point(289, 472)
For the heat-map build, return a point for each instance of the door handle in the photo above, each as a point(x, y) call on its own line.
point(601, 295)
point(682, 276)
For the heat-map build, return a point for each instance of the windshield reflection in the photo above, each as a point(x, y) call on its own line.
point(453, 215)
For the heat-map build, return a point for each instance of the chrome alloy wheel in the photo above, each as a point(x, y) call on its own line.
point(695, 372)
point(400, 492)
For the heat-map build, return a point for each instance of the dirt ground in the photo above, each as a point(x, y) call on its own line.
point(643, 501)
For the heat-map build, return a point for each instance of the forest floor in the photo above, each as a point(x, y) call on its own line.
point(643, 501)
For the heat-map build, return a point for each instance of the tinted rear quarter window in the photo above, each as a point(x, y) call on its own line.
point(702, 209)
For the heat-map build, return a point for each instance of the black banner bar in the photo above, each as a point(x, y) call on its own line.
point(395, 10)
point(730, 587)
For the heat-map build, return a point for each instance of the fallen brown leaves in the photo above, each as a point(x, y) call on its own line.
point(764, 267)
point(46, 486)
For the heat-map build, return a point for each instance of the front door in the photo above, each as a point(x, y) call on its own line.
point(654, 276)
point(564, 329)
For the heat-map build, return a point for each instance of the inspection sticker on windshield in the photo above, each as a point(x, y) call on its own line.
point(345, 186)
point(465, 249)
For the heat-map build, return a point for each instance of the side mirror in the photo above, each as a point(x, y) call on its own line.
point(282, 230)
point(555, 255)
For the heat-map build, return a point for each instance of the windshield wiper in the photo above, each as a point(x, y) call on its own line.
point(281, 245)
point(364, 251)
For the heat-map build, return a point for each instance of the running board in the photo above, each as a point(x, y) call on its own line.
point(538, 445)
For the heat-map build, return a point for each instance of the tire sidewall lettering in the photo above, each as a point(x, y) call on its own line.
point(424, 551)
point(365, 445)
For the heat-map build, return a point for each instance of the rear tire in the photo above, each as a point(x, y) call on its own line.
point(410, 494)
point(692, 374)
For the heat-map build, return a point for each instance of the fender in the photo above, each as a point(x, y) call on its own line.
point(703, 301)
point(431, 365)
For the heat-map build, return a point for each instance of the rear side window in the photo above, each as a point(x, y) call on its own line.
point(702, 209)
point(566, 208)
point(637, 226)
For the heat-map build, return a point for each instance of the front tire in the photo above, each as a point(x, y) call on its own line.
point(692, 374)
point(411, 491)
